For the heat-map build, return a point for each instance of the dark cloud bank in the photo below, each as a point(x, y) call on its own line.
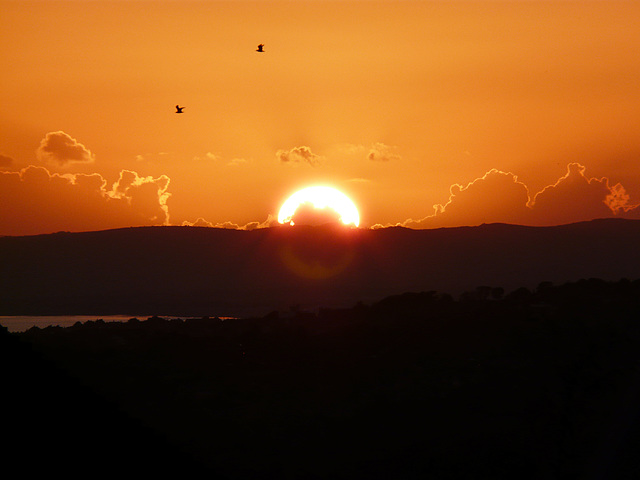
point(42, 202)
point(499, 197)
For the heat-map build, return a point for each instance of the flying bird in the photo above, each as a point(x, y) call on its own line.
point(260, 48)
point(179, 109)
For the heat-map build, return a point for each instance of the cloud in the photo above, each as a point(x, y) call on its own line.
point(271, 221)
point(200, 222)
point(379, 152)
point(146, 195)
point(58, 148)
point(153, 157)
point(618, 200)
point(299, 155)
point(575, 197)
point(235, 162)
point(43, 202)
point(499, 197)
point(495, 197)
point(209, 156)
point(217, 159)
point(380, 225)
point(5, 161)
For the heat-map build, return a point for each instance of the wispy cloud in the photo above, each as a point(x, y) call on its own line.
point(236, 162)
point(379, 152)
point(200, 222)
point(218, 159)
point(209, 156)
point(271, 221)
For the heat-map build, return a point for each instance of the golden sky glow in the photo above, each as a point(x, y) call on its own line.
point(513, 111)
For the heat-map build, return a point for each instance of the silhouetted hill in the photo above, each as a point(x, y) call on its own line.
point(203, 271)
point(533, 384)
point(53, 423)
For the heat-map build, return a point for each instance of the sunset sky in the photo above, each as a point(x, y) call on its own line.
point(425, 113)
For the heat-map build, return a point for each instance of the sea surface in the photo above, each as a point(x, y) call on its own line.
point(22, 323)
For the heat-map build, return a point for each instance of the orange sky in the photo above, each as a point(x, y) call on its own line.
point(472, 106)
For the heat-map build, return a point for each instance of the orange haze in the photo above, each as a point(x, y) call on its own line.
point(425, 113)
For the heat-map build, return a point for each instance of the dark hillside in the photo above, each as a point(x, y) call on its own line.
point(202, 271)
point(535, 384)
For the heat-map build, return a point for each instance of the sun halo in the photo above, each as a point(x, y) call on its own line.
point(321, 197)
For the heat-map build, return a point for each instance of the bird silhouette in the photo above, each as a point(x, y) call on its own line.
point(179, 109)
point(260, 48)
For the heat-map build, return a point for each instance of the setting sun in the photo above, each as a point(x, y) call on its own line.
point(322, 199)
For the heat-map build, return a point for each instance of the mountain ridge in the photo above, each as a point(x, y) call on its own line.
point(206, 271)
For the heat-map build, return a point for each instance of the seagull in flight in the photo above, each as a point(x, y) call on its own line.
point(179, 109)
point(260, 48)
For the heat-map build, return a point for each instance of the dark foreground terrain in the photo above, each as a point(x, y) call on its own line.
point(532, 384)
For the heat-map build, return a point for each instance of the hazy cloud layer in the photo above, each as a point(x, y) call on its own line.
point(379, 152)
point(236, 162)
point(298, 155)
point(217, 159)
point(209, 156)
point(499, 197)
point(58, 148)
point(43, 202)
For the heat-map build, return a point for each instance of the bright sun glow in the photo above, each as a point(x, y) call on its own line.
point(320, 197)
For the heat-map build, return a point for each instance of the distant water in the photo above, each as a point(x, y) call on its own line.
point(21, 323)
